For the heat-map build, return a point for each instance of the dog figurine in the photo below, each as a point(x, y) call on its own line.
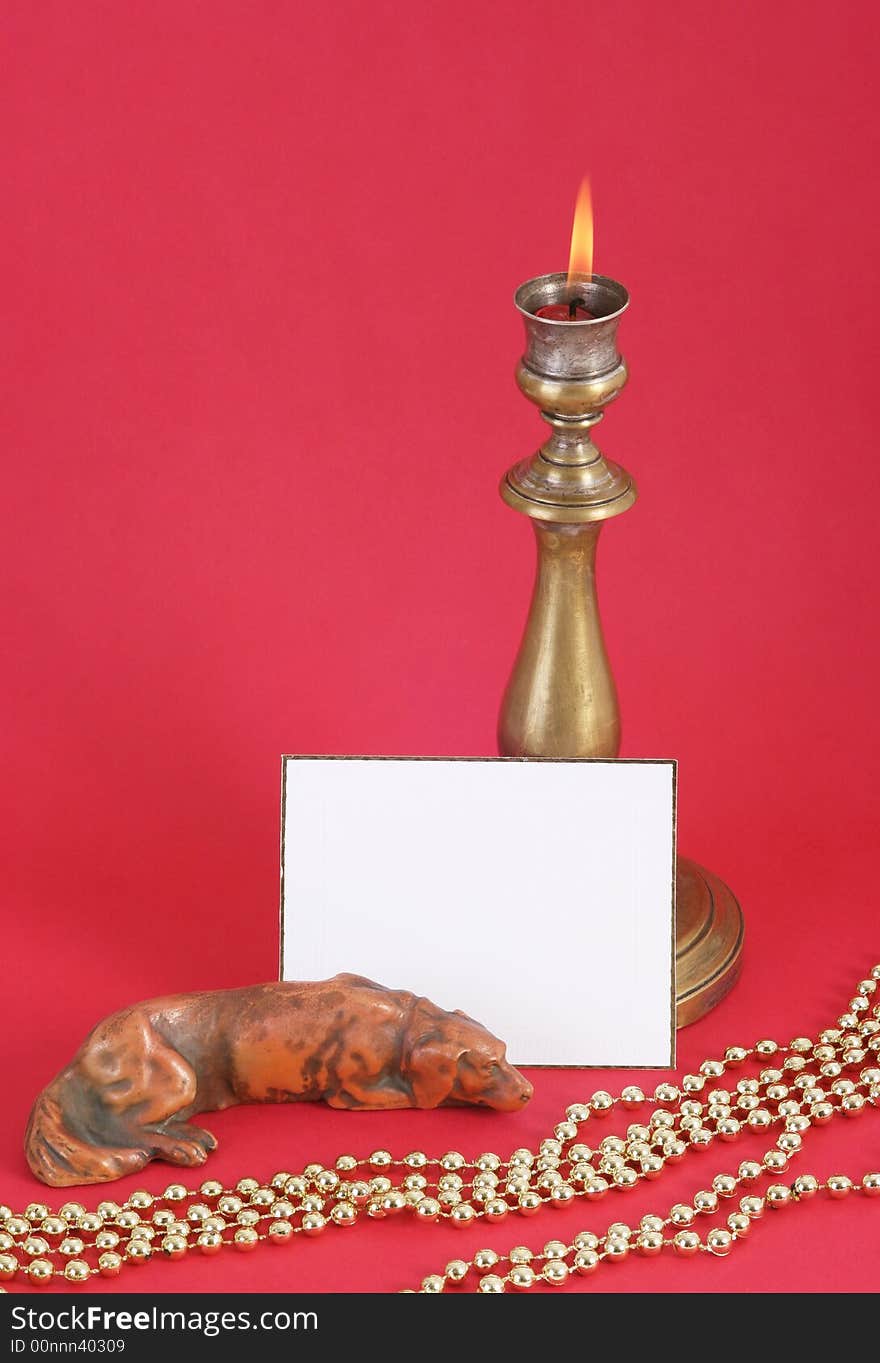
point(128, 1094)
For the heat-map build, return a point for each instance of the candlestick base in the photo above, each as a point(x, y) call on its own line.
point(709, 941)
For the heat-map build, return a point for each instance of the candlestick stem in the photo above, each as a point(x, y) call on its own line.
point(561, 701)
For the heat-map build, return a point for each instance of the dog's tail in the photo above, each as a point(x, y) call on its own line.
point(59, 1157)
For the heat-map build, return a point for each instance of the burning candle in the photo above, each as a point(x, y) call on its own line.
point(573, 311)
point(580, 263)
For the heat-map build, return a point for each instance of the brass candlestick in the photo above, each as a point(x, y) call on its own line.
point(561, 700)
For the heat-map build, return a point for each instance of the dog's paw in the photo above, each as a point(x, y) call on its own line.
point(181, 1143)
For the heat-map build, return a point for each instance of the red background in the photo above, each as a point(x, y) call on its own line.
point(259, 345)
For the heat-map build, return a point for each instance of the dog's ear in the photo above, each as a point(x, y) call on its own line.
point(430, 1067)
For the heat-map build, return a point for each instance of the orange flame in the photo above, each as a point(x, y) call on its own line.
point(580, 260)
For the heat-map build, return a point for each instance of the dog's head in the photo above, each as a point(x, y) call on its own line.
point(450, 1058)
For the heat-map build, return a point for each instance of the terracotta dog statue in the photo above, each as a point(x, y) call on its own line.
point(128, 1094)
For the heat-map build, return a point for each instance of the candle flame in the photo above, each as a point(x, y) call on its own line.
point(580, 260)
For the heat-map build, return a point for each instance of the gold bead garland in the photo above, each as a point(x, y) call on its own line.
point(809, 1084)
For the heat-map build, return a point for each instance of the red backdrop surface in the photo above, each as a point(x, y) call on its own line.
point(259, 345)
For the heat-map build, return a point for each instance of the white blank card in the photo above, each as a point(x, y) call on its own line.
point(537, 896)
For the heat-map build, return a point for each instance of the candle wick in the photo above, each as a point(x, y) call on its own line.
point(573, 306)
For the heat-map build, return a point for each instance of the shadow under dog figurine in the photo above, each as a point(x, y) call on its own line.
point(127, 1095)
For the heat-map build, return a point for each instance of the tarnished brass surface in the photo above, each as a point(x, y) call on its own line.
point(561, 701)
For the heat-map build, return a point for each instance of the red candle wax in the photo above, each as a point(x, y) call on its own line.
point(565, 312)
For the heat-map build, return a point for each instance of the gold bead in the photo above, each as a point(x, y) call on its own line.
point(839, 1185)
point(521, 1277)
point(452, 1161)
point(8, 1267)
point(485, 1260)
point(739, 1223)
point(346, 1164)
point(778, 1195)
point(358, 1192)
point(174, 1246)
point(462, 1215)
point(106, 1239)
point(326, 1181)
point(530, 1203)
point(210, 1242)
point(496, 1209)
point(313, 1223)
point(211, 1188)
point(138, 1251)
point(706, 1202)
point(140, 1200)
point(775, 1161)
point(175, 1192)
point(393, 1202)
point(457, 1270)
point(247, 1186)
point(72, 1247)
point(752, 1207)
point(108, 1210)
point(805, 1185)
point(724, 1185)
point(491, 1283)
point(632, 1096)
point(76, 1271)
point(577, 1112)
point(416, 1159)
point(586, 1261)
point(565, 1131)
point(433, 1283)
point(720, 1241)
point(682, 1215)
point(264, 1197)
point(446, 1183)
point(17, 1225)
point(712, 1069)
point(686, 1242)
point(54, 1225)
point(616, 1249)
point(563, 1193)
point(735, 1055)
point(554, 1249)
point(601, 1102)
point(750, 1170)
point(871, 1185)
point(36, 1211)
point(521, 1157)
point(555, 1272)
point(428, 1209)
point(279, 1232)
point(109, 1264)
point(197, 1213)
point(245, 1239)
point(164, 1217)
point(766, 1047)
point(296, 1186)
point(210, 1223)
point(344, 1214)
point(649, 1242)
point(625, 1178)
point(40, 1272)
point(36, 1246)
point(229, 1205)
point(852, 1104)
point(127, 1220)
